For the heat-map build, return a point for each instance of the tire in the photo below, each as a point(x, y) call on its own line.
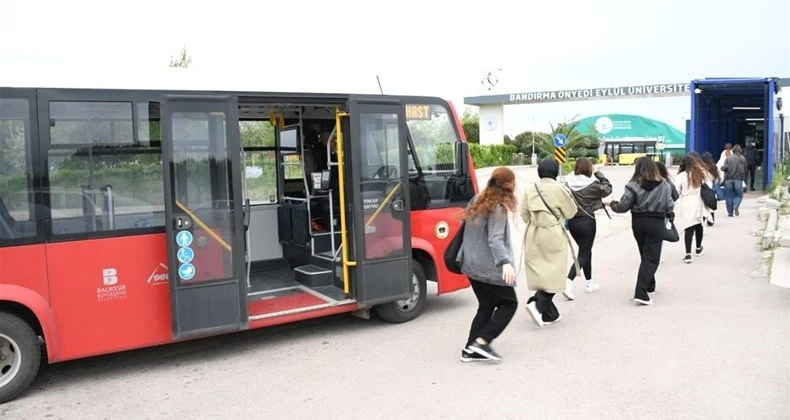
point(20, 356)
point(408, 309)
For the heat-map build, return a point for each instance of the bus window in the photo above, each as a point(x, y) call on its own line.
point(434, 138)
point(16, 209)
point(101, 177)
point(260, 162)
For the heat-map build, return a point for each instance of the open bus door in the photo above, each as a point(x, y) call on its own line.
point(205, 242)
point(380, 208)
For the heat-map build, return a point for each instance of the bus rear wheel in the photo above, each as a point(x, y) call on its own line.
point(20, 356)
point(410, 308)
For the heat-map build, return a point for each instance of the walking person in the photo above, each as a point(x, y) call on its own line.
point(690, 210)
point(752, 161)
point(717, 178)
point(545, 207)
point(587, 187)
point(734, 175)
point(649, 199)
point(486, 257)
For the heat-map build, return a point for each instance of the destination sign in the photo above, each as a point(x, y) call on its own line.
point(418, 112)
point(620, 92)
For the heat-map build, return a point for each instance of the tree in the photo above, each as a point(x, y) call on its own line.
point(577, 144)
point(183, 61)
point(471, 126)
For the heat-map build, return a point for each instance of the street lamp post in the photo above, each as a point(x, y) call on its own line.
point(534, 159)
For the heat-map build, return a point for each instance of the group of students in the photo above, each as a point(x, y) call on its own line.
point(552, 209)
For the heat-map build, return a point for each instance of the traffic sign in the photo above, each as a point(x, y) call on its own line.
point(559, 155)
point(560, 140)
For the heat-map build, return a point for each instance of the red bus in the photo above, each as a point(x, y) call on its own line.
point(134, 218)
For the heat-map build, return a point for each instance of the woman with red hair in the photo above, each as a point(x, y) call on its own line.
point(486, 257)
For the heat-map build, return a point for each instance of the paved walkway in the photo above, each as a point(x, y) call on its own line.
point(714, 344)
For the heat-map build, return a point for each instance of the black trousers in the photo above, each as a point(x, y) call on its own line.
point(582, 229)
point(496, 307)
point(545, 304)
point(750, 175)
point(690, 232)
point(648, 233)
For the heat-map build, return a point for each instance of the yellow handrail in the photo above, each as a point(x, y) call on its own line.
point(383, 203)
point(203, 226)
point(342, 186)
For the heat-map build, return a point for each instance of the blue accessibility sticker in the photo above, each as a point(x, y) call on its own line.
point(184, 238)
point(186, 271)
point(185, 254)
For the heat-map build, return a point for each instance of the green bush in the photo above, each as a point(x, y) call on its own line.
point(491, 155)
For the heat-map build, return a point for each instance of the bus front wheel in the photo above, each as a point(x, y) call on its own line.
point(20, 356)
point(411, 307)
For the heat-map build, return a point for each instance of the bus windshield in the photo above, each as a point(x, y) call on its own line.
point(433, 137)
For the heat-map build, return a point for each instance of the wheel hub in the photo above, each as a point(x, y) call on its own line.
point(10, 359)
point(409, 304)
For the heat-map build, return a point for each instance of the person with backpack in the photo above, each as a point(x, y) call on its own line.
point(545, 207)
point(649, 198)
point(587, 187)
point(486, 257)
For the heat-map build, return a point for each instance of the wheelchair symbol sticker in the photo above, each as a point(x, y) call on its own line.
point(185, 255)
point(184, 238)
point(186, 271)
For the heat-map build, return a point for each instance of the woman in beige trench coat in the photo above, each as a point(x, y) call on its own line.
point(545, 207)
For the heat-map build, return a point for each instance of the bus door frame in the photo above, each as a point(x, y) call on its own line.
point(216, 304)
point(384, 278)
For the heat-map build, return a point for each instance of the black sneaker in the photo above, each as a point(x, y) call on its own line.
point(484, 350)
point(698, 251)
point(737, 212)
point(470, 356)
point(687, 259)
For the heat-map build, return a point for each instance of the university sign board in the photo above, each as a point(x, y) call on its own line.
point(568, 95)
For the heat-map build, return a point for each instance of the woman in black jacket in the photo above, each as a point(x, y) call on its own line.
point(588, 192)
point(649, 198)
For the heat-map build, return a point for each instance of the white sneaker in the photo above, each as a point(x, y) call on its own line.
point(591, 287)
point(532, 308)
point(569, 289)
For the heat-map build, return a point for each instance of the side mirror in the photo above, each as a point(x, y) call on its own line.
point(462, 157)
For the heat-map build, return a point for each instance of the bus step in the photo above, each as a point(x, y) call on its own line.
point(313, 276)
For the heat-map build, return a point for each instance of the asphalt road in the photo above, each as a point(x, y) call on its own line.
point(715, 344)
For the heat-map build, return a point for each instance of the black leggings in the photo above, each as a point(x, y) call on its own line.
point(690, 231)
point(582, 230)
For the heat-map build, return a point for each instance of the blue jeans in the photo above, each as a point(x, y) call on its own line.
point(733, 194)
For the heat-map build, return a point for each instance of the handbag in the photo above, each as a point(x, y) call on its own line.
point(671, 233)
point(451, 253)
point(708, 196)
point(565, 231)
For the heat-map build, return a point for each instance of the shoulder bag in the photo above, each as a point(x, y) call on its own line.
point(451, 253)
point(708, 196)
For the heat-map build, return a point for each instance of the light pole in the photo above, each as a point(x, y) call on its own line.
point(534, 159)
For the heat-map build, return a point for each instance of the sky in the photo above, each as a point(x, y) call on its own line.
point(437, 48)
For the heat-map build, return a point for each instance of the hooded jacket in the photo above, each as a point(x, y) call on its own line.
point(588, 192)
point(648, 199)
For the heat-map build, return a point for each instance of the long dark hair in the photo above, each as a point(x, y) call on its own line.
point(645, 169)
point(694, 169)
point(710, 165)
point(499, 190)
